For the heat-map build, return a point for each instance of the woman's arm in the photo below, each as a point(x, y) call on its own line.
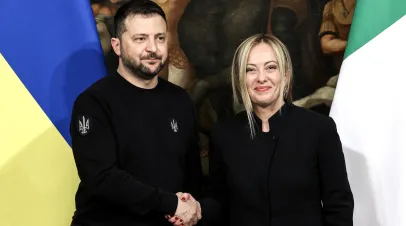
point(215, 199)
point(337, 198)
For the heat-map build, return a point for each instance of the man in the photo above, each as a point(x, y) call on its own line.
point(134, 135)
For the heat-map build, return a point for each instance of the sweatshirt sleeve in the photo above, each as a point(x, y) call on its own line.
point(95, 151)
point(194, 175)
point(214, 203)
point(337, 198)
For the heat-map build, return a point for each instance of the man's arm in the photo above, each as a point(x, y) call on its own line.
point(215, 202)
point(211, 206)
point(194, 175)
point(95, 150)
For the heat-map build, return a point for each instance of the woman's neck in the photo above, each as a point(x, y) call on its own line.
point(264, 113)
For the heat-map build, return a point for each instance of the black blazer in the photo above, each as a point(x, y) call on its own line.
point(294, 175)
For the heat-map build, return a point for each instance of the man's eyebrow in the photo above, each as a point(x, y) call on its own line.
point(140, 34)
point(146, 35)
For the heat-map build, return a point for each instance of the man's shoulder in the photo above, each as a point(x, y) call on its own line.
point(171, 86)
point(103, 84)
point(174, 91)
point(96, 91)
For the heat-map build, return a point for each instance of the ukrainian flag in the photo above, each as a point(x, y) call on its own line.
point(49, 53)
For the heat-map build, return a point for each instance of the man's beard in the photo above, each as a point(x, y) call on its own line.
point(140, 70)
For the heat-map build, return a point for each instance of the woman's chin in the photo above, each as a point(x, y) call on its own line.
point(265, 102)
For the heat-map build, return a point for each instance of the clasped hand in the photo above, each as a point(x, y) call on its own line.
point(188, 211)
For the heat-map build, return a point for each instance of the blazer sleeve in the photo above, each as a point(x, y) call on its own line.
point(213, 203)
point(337, 198)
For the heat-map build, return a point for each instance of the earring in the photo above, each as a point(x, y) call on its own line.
point(285, 92)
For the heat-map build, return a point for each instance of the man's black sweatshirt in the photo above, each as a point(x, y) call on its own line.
point(134, 149)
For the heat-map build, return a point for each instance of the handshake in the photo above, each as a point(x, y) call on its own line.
point(187, 213)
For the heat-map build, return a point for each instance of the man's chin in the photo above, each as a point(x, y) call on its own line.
point(146, 76)
point(150, 74)
point(152, 66)
point(151, 70)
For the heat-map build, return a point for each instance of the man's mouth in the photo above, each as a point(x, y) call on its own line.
point(152, 61)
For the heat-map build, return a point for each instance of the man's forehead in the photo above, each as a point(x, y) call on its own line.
point(146, 24)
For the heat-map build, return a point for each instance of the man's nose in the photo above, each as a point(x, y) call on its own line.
point(151, 46)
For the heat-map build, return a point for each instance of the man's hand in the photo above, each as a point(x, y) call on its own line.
point(188, 211)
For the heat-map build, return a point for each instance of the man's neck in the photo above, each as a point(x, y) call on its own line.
point(135, 80)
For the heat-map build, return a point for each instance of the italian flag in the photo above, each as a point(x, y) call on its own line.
point(369, 108)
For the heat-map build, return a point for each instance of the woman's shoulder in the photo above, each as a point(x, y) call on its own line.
point(309, 118)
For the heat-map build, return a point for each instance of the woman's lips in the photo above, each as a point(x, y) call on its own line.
point(262, 88)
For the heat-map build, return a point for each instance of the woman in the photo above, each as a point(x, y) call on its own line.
point(275, 163)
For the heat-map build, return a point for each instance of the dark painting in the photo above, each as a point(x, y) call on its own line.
point(203, 35)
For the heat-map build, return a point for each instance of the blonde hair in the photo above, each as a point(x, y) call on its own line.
point(239, 67)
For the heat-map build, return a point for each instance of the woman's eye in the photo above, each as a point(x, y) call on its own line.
point(273, 67)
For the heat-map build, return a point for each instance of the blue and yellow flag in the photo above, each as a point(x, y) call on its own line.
point(49, 53)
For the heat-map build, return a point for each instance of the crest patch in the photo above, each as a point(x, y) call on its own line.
point(83, 125)
point(174, 126)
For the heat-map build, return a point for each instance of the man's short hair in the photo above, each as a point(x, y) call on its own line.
point(136, 7)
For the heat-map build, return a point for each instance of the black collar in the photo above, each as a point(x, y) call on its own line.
point(276, 121)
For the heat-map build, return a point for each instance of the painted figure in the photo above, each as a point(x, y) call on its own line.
point(179, 70)
point(334, 31)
